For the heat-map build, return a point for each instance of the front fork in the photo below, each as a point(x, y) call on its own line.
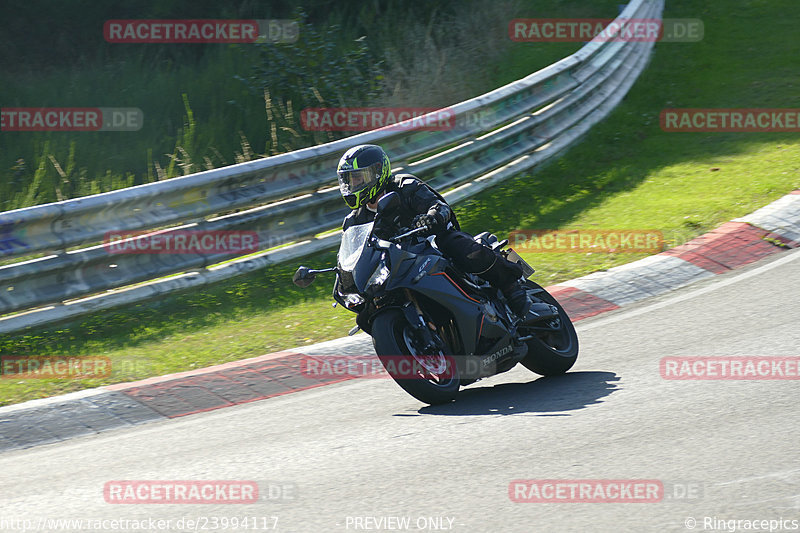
point(422, 329)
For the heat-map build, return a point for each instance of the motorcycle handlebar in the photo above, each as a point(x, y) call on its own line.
point(409, 233)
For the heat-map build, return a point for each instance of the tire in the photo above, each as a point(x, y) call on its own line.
point(551, 354)
point(391, 339)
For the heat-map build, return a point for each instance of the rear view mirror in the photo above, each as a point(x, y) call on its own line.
point(303, 277)
point(388, 202)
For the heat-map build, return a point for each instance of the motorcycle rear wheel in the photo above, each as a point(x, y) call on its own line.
point(552, 352)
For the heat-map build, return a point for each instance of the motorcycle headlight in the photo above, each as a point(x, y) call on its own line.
point(379, 277)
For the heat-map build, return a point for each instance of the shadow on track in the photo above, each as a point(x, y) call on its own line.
point(547, 396)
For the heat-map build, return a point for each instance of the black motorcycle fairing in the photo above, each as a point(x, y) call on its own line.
point(422, 269)
point(465, 310)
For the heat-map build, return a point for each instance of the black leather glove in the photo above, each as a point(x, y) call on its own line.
point(424, 221)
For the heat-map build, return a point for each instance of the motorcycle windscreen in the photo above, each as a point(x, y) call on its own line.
point(353, 241)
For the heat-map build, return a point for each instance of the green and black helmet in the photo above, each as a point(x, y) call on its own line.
point(364, 171)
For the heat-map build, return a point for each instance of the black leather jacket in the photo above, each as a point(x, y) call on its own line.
point(416, 197)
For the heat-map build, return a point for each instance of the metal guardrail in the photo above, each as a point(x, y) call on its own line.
point(289, 197)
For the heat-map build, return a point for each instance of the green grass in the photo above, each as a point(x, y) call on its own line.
point(627, 173)
point(96, 162)
point(681, 200)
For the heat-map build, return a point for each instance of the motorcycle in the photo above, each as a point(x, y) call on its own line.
point(433, 327)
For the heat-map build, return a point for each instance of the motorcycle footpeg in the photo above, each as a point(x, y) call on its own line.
point(539, 312)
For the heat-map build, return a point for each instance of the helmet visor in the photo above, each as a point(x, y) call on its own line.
point(352, 181)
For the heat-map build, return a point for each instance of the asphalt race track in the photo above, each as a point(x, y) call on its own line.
point(363, 455)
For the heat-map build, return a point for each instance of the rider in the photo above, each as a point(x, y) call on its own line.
point(365, 175)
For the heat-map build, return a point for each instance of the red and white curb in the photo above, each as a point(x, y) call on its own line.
point(732, 245)
point(780, 218)
point(745, 240)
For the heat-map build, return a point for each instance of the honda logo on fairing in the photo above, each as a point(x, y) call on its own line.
point(497, 355)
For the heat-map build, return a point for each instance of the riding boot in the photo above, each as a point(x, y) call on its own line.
point(506, 275)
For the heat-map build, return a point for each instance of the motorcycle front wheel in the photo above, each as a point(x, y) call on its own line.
point(430, 378)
